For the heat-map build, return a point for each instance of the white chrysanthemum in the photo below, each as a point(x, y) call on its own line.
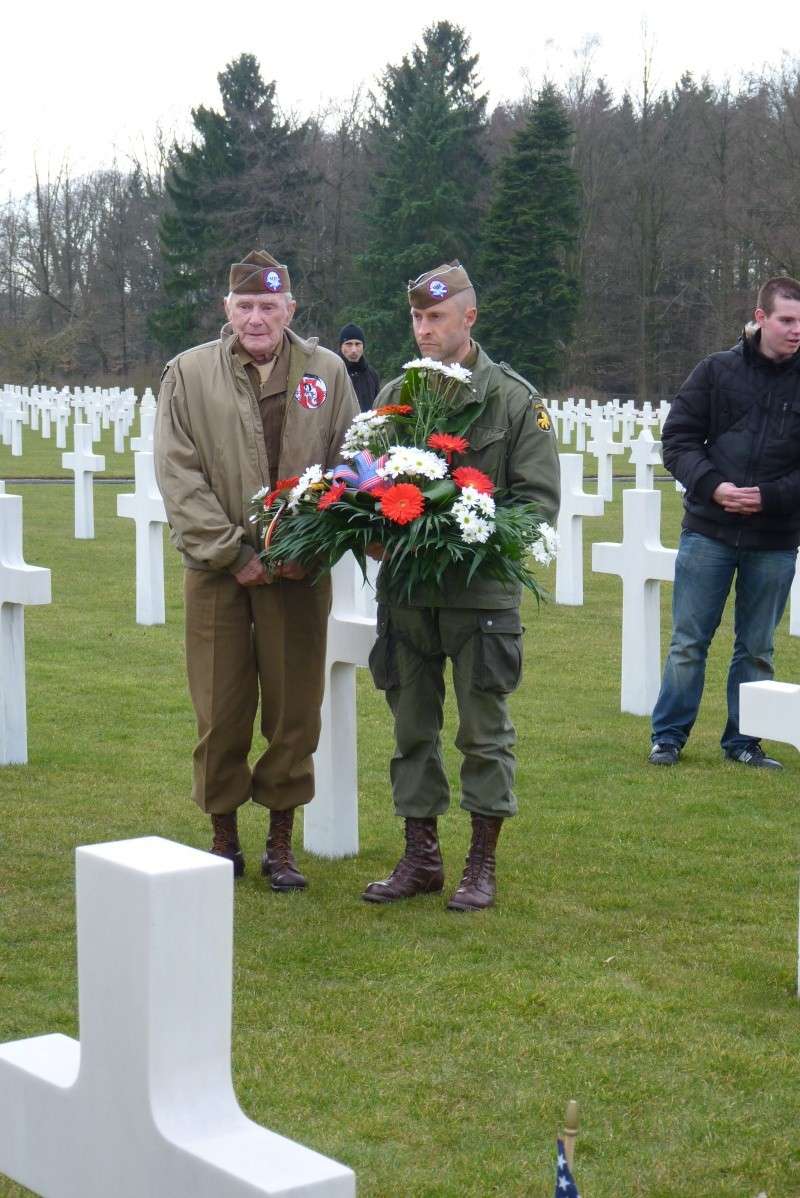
point(545, 549)
point(260, 494)
point(477, 500)
point(454, 371)
point(473, 527)
point(359, 434)
point(307, 479)
point(408, 460)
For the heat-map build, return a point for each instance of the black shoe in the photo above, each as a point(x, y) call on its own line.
point(754, 756)
point(664, 754)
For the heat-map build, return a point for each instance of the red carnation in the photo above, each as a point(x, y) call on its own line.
point(448, 444)
point(336, 492)
point(468, 476)
point(402, 503)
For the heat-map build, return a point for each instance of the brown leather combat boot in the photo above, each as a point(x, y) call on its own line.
point(477, 887)
point(419, 870)
point(226, 841)
point(278, 863)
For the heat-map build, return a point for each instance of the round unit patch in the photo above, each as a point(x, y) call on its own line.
point(272, 280)
point(437, 288)
point(311, 391)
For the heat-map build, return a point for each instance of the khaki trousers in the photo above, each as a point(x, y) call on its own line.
point(241, 641)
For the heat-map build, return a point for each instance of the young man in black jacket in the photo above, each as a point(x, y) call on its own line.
point(364, 377)
point(732, 438)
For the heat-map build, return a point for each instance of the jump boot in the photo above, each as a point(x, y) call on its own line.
point(477, 887)
point(226, 841)
point(419, 870)
point(278, 863)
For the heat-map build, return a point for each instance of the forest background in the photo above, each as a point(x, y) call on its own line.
point(614, 241)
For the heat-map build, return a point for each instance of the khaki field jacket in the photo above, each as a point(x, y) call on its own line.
point(210, 455)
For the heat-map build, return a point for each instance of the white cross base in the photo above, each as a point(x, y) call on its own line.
point(330, 821)
point(20, 584)
point(643, 564)
point(575, 504)
point(144, 1106)
point(146, 508)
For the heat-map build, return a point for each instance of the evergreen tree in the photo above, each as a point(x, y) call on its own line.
point(530, 298)
point(229, 192)
point(426, 138)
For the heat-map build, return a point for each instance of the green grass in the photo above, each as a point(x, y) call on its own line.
point(41, 459)
point(641, 958)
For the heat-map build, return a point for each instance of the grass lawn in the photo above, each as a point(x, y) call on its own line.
point(642, 956)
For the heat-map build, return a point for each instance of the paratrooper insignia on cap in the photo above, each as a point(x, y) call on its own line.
point(272, 280)
point(438, 288)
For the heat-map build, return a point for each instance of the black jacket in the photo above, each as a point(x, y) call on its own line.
point(364, 378)
point(737, 419)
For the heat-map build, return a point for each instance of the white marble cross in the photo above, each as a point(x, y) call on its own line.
point(643, 564)
point(147, 420)
point(62, 414)
point(605, 449)
point(83, 463)
point(794, 601)
point(575, 504)
point(146, 508)
point(20, 585)
point(771, 710)
point(330, 821)
point(144, 1106)
point(645, 455)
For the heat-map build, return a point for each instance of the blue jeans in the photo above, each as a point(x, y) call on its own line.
point(704, 571)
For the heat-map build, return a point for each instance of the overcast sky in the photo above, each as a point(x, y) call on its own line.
point(83, 80)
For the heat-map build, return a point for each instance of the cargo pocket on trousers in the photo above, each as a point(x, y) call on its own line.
point(497, 658)
point(382, 664)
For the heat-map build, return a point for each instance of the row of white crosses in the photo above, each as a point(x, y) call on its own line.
point(41, 409)
point(572, 418)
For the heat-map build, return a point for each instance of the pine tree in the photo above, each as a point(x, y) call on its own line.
point(228, 194)
point(426, 137)
point(530, 298)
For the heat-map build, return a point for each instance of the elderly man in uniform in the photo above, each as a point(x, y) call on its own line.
point(476, 624)
point(235, 415)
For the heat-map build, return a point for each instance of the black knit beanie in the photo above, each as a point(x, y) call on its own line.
point(352, 332)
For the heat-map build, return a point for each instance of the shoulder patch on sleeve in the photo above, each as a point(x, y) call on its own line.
point(512, 374)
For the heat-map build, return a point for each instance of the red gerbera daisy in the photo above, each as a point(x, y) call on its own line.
point(336, 492)
point(447, 444)
point(394, 409)
point(402, 503)
point(283, 484)
point(468, 476)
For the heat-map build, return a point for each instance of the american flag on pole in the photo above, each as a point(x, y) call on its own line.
point(565, 1182)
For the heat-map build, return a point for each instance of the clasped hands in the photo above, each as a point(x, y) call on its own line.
point(254, 574)
point(743, 501)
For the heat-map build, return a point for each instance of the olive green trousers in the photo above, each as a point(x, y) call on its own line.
point(242, 642)
point(408, 662)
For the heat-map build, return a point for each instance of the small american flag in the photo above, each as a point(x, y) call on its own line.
point(565, 1182)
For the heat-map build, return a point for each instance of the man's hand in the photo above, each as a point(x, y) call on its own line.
point(376, 551)
point(743, 501)
point(253, 574)
point(291, 570)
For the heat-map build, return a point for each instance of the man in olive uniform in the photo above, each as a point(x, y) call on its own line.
point(476, 625)
point(235, 415)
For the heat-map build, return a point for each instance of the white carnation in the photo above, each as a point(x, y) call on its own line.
point(454, 371)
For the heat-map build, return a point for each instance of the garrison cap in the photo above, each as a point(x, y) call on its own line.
point(259, 273)
point(436, 285)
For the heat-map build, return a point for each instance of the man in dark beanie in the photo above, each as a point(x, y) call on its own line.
point(364, 377)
